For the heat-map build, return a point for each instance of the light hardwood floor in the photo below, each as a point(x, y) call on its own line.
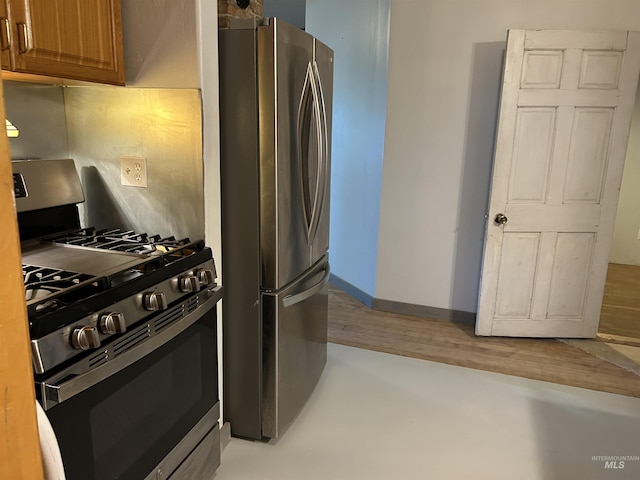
point(353, 324)
point(620, 315)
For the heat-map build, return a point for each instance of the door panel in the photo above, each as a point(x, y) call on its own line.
point(542, 69)
point(588, 155)
point(295, 347)
point(284, 53)
point(600, 70)
point(570, 274)
point(564, 122)
point(515, 286)
point(532, 155)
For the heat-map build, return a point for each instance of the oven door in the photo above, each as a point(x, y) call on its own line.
point(144, 419)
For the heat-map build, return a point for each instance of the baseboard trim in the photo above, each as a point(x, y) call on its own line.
point(225, 436)
point(390, 306)
point(355, 292)
point(436, 313)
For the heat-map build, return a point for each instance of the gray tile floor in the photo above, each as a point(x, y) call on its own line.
point(380, 416)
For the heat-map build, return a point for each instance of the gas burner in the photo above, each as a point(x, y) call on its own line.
point(42, 284)
point(119, 240)
point(42, 279)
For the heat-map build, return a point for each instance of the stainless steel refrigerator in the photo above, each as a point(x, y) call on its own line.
point(276, 85)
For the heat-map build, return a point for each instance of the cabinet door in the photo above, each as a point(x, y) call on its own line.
point(5, 39)
point(68, 38)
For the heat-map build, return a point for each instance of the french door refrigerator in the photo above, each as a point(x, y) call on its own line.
point(276, 85)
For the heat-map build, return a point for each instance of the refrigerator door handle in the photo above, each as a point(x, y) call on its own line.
point(290, 300)
point(323, 148)
point(304, 132)
point(312, 109)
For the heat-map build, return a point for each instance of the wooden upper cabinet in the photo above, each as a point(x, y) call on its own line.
point(72, 39)
point(5, 57)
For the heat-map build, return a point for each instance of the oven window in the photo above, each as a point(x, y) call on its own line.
point(124, 426)
point(165, 393)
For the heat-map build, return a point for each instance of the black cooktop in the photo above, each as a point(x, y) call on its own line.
point(65, 279)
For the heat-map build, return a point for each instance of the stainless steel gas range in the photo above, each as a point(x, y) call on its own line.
point(123, 335)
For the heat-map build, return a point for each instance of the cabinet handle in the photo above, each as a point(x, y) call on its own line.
point(23, 38)
point(5, 39)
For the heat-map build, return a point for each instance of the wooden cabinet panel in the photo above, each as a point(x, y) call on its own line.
point(20, 447)
point(68, 39)
point(5, 57)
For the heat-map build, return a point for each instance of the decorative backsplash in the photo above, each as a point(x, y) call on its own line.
point(228, 9)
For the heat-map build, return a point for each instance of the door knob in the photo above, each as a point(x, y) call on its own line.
point(501, 219)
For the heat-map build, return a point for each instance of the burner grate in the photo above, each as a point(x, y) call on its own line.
point(47, 289)
point(119, 240)
point(41, 282)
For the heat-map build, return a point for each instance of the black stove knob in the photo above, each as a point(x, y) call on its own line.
point(205, 277)
point(113, 322)
point(155, 301)
point(189, 284)
point(84, 338)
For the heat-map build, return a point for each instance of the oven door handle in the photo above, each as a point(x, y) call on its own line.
point(53, 393)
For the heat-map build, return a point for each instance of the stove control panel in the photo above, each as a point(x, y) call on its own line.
point(95, 330)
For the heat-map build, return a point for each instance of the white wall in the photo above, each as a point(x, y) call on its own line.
point(625, 247)
point(161, 43)
point(358, 32)
point(292, 11)
point(444, 75)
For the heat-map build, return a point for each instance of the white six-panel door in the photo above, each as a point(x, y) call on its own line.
point(565, 113)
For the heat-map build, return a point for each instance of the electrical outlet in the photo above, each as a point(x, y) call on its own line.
point(133, 171)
